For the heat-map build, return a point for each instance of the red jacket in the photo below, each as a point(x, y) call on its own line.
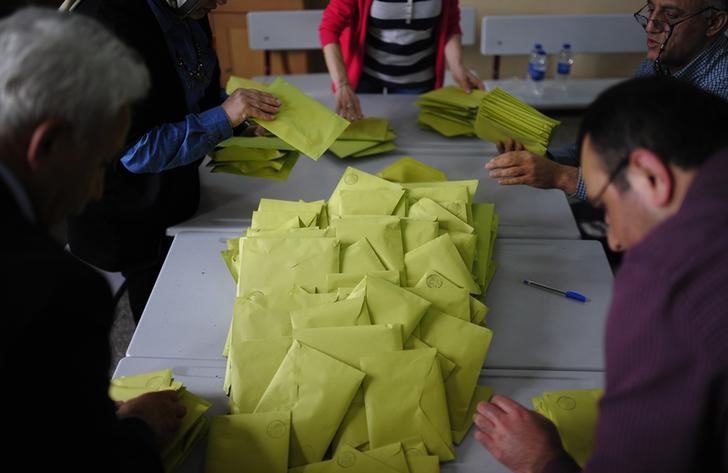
point(345, 22)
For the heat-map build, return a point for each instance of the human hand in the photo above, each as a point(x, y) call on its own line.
point(510, 145)
point(518, 166)
point(466, 79)
point(347, 103)
point(246, 103)
point(522, 440)
point(161, 411)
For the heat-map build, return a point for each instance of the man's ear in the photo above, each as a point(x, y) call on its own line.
point(716, 23)
point(650, 177)
point(45, 140)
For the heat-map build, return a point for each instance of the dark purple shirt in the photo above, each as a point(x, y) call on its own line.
point(665, 407)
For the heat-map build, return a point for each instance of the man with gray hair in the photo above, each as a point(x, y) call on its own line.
point(66, 85)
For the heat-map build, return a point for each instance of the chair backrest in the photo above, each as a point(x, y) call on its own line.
point(298, 29)
point(504, 35)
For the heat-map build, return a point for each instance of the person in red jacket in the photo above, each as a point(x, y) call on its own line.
point(400, 46)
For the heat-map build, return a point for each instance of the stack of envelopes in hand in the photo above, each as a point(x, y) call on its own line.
point(359, 319)
point(502, 116)
point(302, 124)
point(365, 137)
point(574, 413)
point(194, 423)
point(449, 110)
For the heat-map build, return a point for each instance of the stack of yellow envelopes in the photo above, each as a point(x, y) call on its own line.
point(449, 110)
point(574, 413)
point(365, 137)
point(502, 116)
point(194, 424)
point(259, 156)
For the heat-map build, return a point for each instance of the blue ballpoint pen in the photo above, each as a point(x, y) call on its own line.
point(577, 296)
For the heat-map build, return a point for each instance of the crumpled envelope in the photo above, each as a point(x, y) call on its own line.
point(440, 255)
point(404, 397)
point(366, 202)
point(360, 257)
point(336, 281)
point(352, 311)
point(302, 121)
point(382, 231)
point(574, 412)
point(286, 262)
point(354, 179)
point(466, 345)
point(255, 443)
point(390, 304)
point(317, 389)
point(418, 231)
point(407, 169)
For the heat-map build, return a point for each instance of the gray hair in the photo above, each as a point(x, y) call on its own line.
point(65, 66)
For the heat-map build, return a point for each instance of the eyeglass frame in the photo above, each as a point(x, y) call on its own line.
point(670, 26)
point(596, 201)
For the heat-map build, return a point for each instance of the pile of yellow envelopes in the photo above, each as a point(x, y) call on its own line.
point(502, 116)
point(574, 413)
point(302, 125)
point(449, 110)
point(356, 341)
point(194, 424)
point(366, 137)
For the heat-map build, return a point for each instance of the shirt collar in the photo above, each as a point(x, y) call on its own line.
point(698, 62)
point(17, 190)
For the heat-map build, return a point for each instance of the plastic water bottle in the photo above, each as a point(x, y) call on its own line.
point(563, 66)
point(537, 68)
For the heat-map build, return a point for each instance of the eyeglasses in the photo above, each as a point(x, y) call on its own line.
point(596, 201)
point(644, 14)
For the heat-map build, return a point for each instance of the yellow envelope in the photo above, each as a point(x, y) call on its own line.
point(435, 280)
point(276, 205)
point(286, 262)
point(465, 344)
point(384, 147)
point(404, 397)
point(232, 153)
point(349, 345)
point(336, 281)
point(427, 208)
point(416, 232)
point(417, 458)
point(485, 221)
point(360, 257)
point(255, 443)
point(194, 425)
point(391, 455)
point(344, 149)
point(407, 169)
point(258, 142)
point(368, 128)
point(365, 202)
point(481, 393)
point(574, 412)
point(124, 388)
point(249, 380)
point(237, 82)
point(454, 301)
point(317, 389)
point(390, 304)
point(478, 311)
point(440, 255)
point(445, 191)
point(382, 231)
point(466, 244)
point(354, 179)
point(346, 460)
point(444, 125)
point(352, 311)
point(415, 343)
point(273, 220)
point(294, 122)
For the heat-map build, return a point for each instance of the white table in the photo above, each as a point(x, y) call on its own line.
point(205, 378)
point(577, 94)
point(228, 200)
point(536, 329)
point(191, 305)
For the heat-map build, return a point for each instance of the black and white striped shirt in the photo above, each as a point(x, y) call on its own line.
point(401, 42)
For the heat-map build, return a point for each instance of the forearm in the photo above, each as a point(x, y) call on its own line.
point(567, 178)
point(454, 52)
point(335, 64)
point(177, 144)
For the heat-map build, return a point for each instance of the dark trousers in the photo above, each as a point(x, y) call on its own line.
point(140, 281)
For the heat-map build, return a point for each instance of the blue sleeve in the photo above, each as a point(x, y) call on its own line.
point(568, 155)
point(177, 144)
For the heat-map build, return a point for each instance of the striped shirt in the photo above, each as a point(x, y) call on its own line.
point(400, 42)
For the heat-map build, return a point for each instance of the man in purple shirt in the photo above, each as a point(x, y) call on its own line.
point(654, 153)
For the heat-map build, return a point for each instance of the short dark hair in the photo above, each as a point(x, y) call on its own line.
point(681, 123)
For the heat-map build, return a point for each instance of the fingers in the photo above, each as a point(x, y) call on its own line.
point(507, 405)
